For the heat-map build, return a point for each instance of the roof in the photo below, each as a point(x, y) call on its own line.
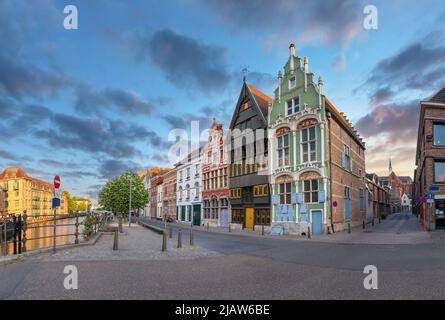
point(262, 99)
point(17, 172)
point(345, 122)
point(439, 96)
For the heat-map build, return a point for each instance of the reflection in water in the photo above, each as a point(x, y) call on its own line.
point(65, 228)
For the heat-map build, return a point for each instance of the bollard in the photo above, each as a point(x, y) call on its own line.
point(5, 243)
point(164, 240)
point(191, 237)
point(116, 240)
point(207, 226)
point(364, 226)
point(262, 230)
point(308, 232)
point(180, 238)
point(120, 224)
point(19, 234)
point(230, 227)
point(349, 227)
point(14, 225)
point(76, 233)
point(171, 233)
point(25, 226)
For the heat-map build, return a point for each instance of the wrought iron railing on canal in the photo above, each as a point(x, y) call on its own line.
point(17, 232)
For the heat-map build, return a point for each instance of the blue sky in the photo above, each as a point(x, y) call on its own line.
point(89, 103)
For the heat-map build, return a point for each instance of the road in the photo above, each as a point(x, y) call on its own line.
point(250, 267)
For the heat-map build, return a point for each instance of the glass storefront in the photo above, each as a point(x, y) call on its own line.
point(440, 214)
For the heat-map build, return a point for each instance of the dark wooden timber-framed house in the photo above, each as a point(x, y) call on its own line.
point(248, 158)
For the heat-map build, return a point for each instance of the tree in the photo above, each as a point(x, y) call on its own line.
point(115, 195)
point(72, 203)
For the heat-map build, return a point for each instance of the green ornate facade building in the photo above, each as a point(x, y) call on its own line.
point(316, 157)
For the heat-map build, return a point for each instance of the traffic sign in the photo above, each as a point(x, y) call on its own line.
point(430, 196)
point(56, 203)
point(434, 188)
point(57, 182)
point(334, 204)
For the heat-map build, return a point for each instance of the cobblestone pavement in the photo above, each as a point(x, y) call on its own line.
point(136, 243)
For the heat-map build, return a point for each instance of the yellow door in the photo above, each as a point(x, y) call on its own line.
point(249, 218)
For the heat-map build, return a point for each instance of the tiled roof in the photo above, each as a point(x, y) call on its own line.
point(339, 115)
point(261, 98)
point(439, 97)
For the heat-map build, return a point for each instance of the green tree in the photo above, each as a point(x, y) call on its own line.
point(72, 204)
point(115, 195)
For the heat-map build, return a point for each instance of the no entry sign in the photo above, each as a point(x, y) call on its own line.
point(334, 204)
point(57, 182)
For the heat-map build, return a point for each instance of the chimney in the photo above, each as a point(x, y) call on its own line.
point(306, 65)
point(291, 58)
point(320, 85)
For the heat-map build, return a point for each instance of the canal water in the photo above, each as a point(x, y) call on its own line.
point(65, 228)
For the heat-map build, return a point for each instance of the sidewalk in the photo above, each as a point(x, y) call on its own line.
point(136, 243)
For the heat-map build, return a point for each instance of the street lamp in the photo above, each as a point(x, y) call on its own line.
point(129, 209)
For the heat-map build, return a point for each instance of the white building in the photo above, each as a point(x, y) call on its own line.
point(189, 188)
point(406, 203)
point(159, 201)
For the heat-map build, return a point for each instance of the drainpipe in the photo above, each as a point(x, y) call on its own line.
point(328, 117)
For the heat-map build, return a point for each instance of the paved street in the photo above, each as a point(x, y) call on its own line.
point(250, 267)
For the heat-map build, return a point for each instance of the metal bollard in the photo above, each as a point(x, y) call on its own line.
point(364, 225)
point(262, 230)
point(120, 224)
point(171, 233)
point(116, 240)
point(208, 226)
point(308, 232)
point(180, 238)
point(230, 227)
point(76, 233)
point(191, 237)
point(349, 227)
point(164, 241)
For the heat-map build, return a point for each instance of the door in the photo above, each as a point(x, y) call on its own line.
point(347, 205)
point(317, 222)
point(224, 217)
point(249, 218)
point(196, 215)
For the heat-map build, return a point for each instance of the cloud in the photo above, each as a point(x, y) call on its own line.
point(308, 21)
point(186, 62)
point(89, 100)
point(7, 155)
point(114, 138)
point(112, 167)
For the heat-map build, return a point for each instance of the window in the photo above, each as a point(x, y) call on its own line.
point(237, 216)
point(308, 144)
point(187, 192)
point(347, 193)
point(362, 200)
point(235, 193)
point(346, 161)
point(439, 171)
point(180, 175)
point(283, 150)
point(292, 82)
point(197, 170)
point(262, 216)
point(439, 134)
point(293, 106)
point(285, 193)
point(261, 190)
point(180, 193)
point(246, 105)
point(188, 173)
point(196, 190)
point(310, 191)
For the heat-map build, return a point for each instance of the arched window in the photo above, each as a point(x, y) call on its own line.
point(196, 190)
point(180, 193)
point(187, 192)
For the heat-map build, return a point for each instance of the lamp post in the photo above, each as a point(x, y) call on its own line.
point(129, 209)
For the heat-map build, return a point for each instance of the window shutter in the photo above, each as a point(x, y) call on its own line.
point(300, 198)
point(294, 198)
point(343, 160)
point(274, 199)
point(303, 208)
point(321, 196)
point(350, 160)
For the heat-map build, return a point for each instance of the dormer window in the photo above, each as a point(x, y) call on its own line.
point(292, 82)
point(293, 105)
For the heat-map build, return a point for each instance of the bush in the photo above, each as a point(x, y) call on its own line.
point(383, 215)
point(88, 226)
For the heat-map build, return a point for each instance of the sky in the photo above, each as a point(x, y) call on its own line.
point(90, 103)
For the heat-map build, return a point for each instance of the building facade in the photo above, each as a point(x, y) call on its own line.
point(169, 195)
point(84, 203)
point(398, 186)
point(377, 198)
point(155, 182)
point(22, 192)
point(248, 159)
point(215, 194)
point(3, 210)
point(317, 159)
point(430, 162)
point(146, 177)
point(189, 188)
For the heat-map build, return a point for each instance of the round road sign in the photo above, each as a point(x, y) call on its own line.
point(57, 182)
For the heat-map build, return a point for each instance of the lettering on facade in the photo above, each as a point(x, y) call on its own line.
point(309, 175)
point(283, 179)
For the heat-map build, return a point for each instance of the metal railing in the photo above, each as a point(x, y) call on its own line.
point(15, 229)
